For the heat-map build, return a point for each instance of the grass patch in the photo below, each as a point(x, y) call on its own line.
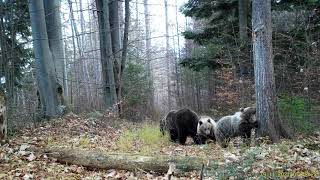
point(144, 139)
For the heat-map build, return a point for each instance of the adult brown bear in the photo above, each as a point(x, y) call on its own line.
point(180, 124)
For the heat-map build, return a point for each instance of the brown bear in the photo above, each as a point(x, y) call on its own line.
point(206, 126)
point(239, 124)
point(180, 124)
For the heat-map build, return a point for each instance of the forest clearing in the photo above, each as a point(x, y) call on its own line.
point(159, 89)
point(22, 158)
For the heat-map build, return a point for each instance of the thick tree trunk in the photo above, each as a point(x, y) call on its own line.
point(268, 118)
point(116, 43)
point(107, 58)
point(54, 31)
point(131, 162)
point(46, 77)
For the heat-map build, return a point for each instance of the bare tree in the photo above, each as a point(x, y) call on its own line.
point(107, 58)
point(177, 68)
point(115, 41)
point(54, 31)
point(125, 48)
point(167, 54)
point(267, 114)
point(148, 48)
point(46, 77)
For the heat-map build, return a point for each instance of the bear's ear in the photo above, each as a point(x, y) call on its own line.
point(209, 121)
point(200, 122)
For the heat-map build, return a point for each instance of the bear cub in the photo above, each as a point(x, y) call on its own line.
point(239, 124)
point(206, 127)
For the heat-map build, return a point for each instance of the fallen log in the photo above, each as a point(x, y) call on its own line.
point(125, 161)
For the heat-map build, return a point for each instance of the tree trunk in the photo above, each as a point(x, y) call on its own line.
point(116, 43)
point(3, 117)
point(167, 54)
point(124, 49)
point(5, 71)
point(178, 70)
point(267, 114)
point(131, 162)
point(84, 63)
point(46, 77)
point(148, 50)
point(74, 36)
point(54, 31)
point(109, 88)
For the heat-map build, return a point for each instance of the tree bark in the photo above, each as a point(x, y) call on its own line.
point(107, 58)
point(46, 77)
point(124, 49)
point(54, 31)
point(148, 50)
point(84, 63)
point(3, 117)
point(131, 162)
point(74, 36)
point(116, 43)
point(267, 114)
point(167, 54)
point(177, 67)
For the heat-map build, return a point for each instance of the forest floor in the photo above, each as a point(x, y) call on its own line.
point(299, 158)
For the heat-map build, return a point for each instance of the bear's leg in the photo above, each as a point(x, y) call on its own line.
point(182, 137)
point(173, 135)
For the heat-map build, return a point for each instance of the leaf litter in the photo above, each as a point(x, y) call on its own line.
point(300, 157)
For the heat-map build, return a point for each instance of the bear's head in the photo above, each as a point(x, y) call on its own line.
point(248, 114)
point(206, 126)
point(248, 117)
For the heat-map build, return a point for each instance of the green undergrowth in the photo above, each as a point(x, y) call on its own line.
point(145, 139)
point(297, 111)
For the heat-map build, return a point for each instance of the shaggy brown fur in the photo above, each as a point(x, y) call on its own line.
point(180, 124)
point(239, 124)
point(206, 127)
